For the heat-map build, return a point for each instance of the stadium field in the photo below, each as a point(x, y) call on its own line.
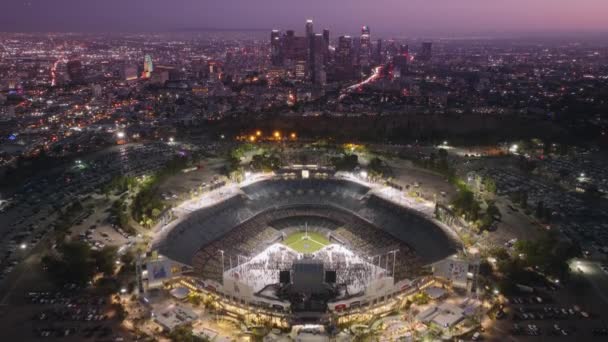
point(306, 242)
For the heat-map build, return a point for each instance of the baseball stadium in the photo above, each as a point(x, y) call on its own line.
point(300, 245)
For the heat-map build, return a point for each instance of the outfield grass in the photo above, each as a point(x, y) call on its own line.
point(302, 244)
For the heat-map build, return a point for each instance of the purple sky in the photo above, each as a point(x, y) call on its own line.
point(408, 17)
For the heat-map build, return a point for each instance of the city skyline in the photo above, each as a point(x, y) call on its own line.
point(454, 18)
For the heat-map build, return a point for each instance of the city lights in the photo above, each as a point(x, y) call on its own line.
point(277, 184)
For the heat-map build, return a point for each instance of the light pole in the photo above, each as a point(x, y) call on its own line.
point(222, 253)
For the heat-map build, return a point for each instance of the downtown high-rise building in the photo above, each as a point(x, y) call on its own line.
point(318, 52)
point(309, 29)
point(378, 54)
point(344, 51)
point(292, 52)
point(276, 49)
point(310, 36)
point(365, 47)
point(148, 67)
point(400, 61)
point(326, 41)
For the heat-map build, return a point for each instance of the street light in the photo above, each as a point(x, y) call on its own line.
point(222, 253)
point(120, 135)
point(23, 246)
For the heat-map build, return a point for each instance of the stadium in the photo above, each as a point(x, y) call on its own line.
point(300, 245)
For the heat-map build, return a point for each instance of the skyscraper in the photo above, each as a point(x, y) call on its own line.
point(426, 53)
point(378, 53)
point(276, 49)
point(326, 41)
point(309, 29)
point(365, 46)
point(400, 61)
point(148, 67)
point(310, 36)
point(318, 51)
point(344, 51)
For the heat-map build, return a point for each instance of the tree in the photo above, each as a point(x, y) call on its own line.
point(72, 265)
point(346, 162)
point(489, 184)
point(105, 260)
point(120, 312)
point(184, 333)
point(540, 209)
point(466, 204)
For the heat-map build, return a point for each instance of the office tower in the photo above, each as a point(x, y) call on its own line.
point(344, 59)
point(400, 61)
point(326, 36)
point(309, 29)
point(426, 52)
point(148, 67)
point(75, 71)
point(378, 53)
point(317, 61)
point(365, 47)
point(300, 69)
point(276, 53)
point(310, 36)
point(162, 74)
point(344, 51)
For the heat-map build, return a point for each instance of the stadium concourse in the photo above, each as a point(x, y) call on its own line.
point(238, 239)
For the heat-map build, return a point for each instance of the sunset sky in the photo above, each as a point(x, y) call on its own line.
point(416, 17)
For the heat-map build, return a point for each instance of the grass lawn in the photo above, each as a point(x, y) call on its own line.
point(303, 243)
